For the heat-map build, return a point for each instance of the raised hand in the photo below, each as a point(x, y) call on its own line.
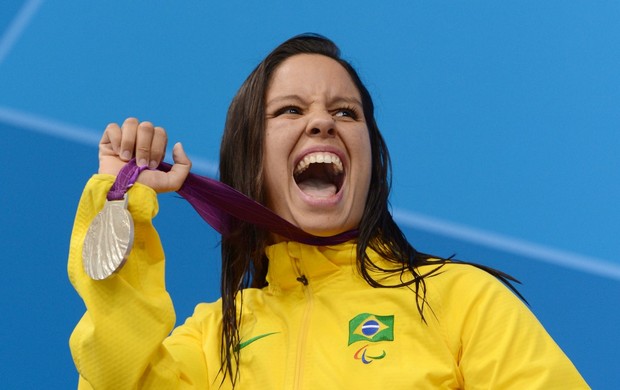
point(147, 143)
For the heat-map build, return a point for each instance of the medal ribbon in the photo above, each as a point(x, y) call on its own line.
point(124, 180)
point(219, 205)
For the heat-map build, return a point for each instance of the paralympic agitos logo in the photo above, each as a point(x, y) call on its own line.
point(370, 328)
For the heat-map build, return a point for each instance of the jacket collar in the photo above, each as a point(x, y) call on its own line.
point(291, 260)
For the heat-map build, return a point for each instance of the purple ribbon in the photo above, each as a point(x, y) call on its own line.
point(124, 180)
point(219, 204)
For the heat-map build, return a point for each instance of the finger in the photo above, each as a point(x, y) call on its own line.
point(158, 147)
point(180, 169)
point(180, 157)
point(128, 140)
point(144, 139)
point(110, 142)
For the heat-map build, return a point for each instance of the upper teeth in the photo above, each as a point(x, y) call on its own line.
point(319, 157)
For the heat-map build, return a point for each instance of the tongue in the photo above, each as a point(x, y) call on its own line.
point(317, 188)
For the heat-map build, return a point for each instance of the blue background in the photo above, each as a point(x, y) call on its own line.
point(502, 119)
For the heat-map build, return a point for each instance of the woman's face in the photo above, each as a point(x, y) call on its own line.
point(317, 160)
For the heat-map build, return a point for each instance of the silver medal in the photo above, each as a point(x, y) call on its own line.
point(108, 240)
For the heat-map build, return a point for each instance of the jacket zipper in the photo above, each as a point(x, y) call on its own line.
point(304, 328)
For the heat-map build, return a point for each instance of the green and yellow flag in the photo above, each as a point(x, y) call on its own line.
point(371, 328)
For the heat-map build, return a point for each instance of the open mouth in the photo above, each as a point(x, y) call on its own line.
point(319, 174)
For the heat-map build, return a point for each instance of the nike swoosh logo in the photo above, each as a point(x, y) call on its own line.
point(253, 339)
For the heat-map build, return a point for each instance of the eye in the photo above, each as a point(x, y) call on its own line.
point(347, 112)
point(288, 110)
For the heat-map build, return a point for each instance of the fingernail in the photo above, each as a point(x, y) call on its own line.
point(126, 155)
point(153, 164)
point(142, 162)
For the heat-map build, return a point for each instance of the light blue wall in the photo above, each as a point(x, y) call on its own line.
point(502, 119)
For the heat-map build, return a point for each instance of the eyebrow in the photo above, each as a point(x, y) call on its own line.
point(285, 98)
point(297, 98)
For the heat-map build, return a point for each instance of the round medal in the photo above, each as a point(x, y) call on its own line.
point(108, 240)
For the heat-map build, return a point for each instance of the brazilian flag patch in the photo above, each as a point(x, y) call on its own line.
point(371, 328)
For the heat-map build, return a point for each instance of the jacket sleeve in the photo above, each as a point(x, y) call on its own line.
point(501, 343)
point(120, 341)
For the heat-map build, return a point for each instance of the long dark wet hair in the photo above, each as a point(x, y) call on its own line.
point(244, 263)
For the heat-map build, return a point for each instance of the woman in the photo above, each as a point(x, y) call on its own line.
point(301, 138)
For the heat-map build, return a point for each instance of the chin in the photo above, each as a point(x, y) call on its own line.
point(325, 230)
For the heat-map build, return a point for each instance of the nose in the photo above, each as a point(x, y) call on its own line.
point(321, 124)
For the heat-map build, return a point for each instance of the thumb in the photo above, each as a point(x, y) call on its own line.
point(181, 167)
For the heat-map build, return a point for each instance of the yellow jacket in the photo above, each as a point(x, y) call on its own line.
point(334, 332)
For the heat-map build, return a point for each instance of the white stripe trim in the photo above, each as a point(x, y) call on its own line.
point(81, 135)
point(406, 219)
point(509, 244)
point(38, 124)
point(17, 26)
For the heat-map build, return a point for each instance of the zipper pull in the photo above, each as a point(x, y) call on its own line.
point(303, 280)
